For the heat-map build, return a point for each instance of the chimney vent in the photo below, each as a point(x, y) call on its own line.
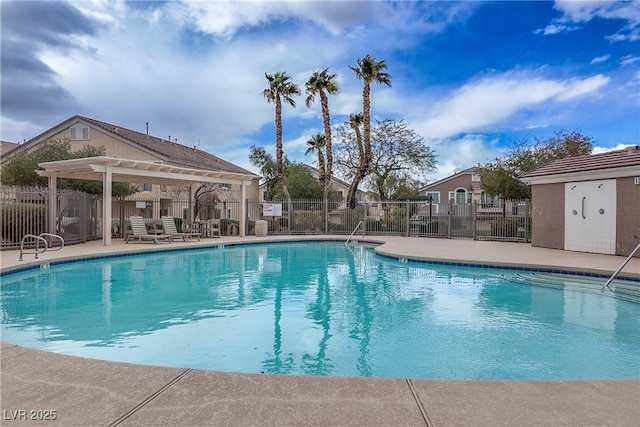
point(147, 128)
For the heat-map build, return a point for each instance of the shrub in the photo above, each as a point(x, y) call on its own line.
point(374, 225)
point(507, 227)
point(225, 224)
point(308, 220)
point(435, 227)
point(19, 219)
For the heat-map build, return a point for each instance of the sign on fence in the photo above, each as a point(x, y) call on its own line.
point(272, 209)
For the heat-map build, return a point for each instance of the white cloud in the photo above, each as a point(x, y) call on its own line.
point(225, 18)
point(629, 59)
point(600, 150)
point(581, 12)
point(457, 154)
point(598, 59)
point(490, 102)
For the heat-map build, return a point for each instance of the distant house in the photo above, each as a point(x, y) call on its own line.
point(588, 203)
point(461, 187)
point(337, 185)
point(152, 201)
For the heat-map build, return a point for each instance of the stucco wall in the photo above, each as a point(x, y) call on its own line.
point(113, 147)
point(461, 181)
point(547, 216)
point(628, 216)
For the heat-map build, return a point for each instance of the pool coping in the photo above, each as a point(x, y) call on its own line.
point(93, 392)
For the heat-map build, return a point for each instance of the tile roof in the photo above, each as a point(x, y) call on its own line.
point(467, 171)
point(6, 146)
point(629, 156)
point(172, 152)
point(175, 153)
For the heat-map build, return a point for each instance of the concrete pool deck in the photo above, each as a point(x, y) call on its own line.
point(86, 392)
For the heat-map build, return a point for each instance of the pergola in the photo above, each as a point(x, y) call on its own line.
point(109, 169)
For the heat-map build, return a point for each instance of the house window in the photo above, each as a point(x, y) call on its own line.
point(435, 196)
point(458, 196)
point(145, 187)
point(79, 132)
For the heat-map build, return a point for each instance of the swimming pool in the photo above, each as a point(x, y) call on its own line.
point(323, 308)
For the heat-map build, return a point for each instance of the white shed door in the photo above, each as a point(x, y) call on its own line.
point(590, 216)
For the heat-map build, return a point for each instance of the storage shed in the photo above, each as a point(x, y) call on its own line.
point(587, 203)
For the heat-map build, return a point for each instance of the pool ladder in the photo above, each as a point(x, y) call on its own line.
point(614, 275)
point(353, 232)
point(40, 238)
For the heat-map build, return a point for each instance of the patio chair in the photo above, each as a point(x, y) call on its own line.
point(171, 229)
point(211, 228)
point(139, 231)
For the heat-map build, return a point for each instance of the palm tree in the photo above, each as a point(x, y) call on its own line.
point(323, 83)
point(281, 87)
point(369, 70)
point(355, 121)
point(318, 143)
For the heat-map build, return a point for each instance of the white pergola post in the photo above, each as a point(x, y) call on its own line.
point(53, 203)
point(243, 208)
point(107, 198)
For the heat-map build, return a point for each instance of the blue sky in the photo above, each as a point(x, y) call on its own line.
point(468, 76)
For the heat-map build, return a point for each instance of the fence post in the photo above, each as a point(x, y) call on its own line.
point(473, 218)
point(408, 216)
point(450, 217)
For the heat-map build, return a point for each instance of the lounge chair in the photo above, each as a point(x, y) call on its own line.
point(171, 229)
point(139, 231)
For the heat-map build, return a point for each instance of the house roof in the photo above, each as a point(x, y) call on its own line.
point(468, 171)
point(171, 152)
point(624, 162)
point(6, 147)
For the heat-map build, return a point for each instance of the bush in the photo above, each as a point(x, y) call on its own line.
point(19, 219)
point(225, 225)
point(507, 227)
point(308, 220)
point(374, 225)
point(435, 227)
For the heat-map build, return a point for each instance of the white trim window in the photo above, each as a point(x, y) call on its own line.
point(79, 132)
point(435, 196)
point(459, 196)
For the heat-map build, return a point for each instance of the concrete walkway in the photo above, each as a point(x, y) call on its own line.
point(84, 392)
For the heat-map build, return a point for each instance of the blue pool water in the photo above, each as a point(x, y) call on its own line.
point(323, 308)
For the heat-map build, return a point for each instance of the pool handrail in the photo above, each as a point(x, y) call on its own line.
point(353, 232)
point(38, 239)
point(614, 275)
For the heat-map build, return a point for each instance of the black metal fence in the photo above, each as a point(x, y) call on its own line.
point(503, 220)
point(79, 216)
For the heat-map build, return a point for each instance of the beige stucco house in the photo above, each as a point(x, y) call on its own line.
point(180, 166)
point(588, 203)
point(152, 201)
